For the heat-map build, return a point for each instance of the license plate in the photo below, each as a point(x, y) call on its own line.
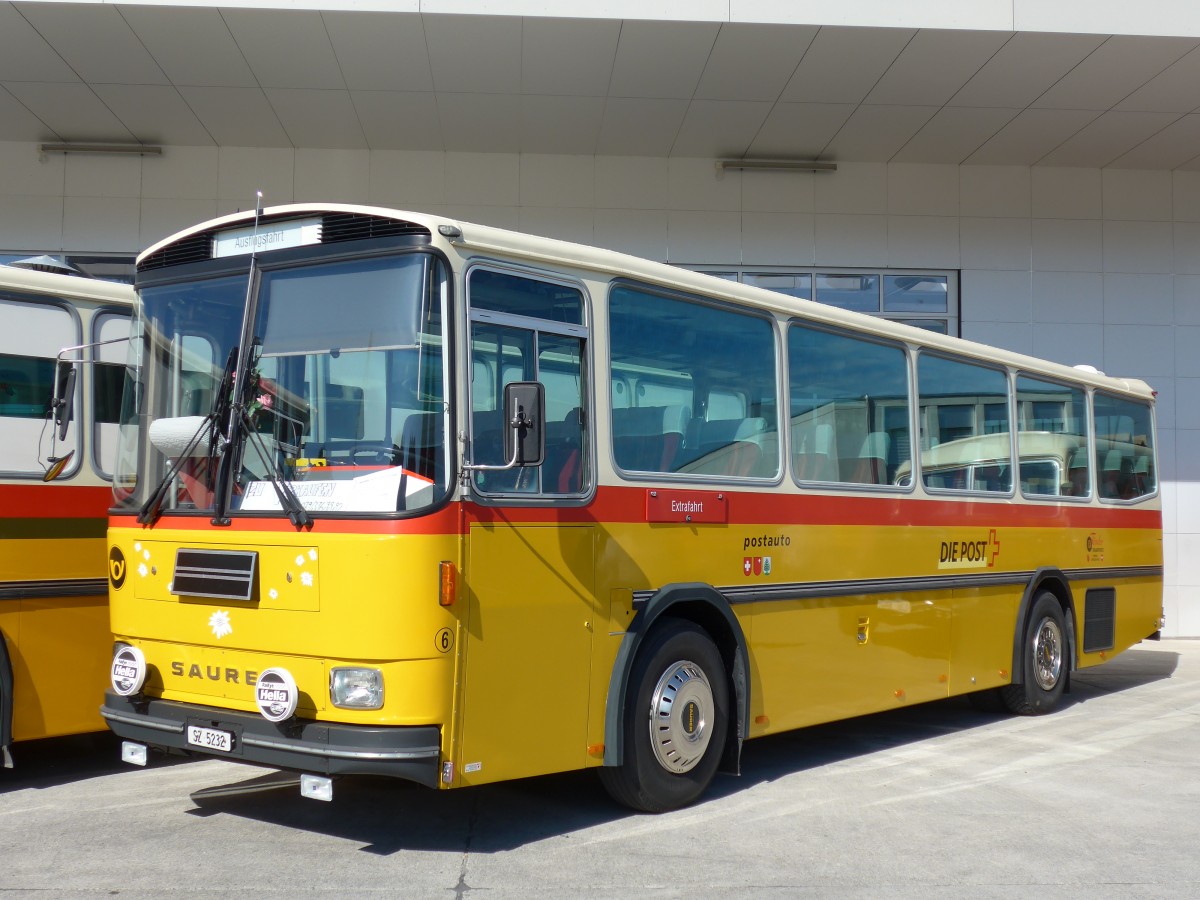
point(210, 738)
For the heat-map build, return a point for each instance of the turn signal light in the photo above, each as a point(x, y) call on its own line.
point(447, 584)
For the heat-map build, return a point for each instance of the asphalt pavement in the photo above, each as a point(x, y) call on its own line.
point(1099, 799)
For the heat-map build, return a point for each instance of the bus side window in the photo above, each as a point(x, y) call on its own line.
point(675, 344)
point(849, 408)
point(542, 338)
point(1124, 448)
point(964, 408)
point(32, 335)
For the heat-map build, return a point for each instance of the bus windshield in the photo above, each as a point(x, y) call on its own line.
point(344, 401)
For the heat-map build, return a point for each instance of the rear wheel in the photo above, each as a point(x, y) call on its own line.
point(1044, 660)
point(676, 717)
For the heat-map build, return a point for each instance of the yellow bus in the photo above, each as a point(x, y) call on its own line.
point(408, 496)
point(55, 491)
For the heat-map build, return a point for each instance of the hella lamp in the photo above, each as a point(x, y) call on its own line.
point(354, 688)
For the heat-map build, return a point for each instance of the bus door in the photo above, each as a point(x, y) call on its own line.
point(529, 572)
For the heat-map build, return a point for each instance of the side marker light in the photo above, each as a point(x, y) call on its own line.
point(447, 583)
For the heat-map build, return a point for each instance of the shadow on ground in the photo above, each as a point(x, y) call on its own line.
point(55, 761)
point(387, 816)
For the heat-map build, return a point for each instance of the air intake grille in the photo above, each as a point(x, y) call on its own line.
point(1099, 619)
point(196, 248)
point(353, 227)
point(335, 228)
point(221, 574)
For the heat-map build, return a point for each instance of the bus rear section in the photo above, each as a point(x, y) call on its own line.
point(57, 450)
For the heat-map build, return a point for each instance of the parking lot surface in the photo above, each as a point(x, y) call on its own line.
point(1100, 799)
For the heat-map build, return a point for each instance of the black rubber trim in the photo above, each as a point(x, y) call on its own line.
point(302, 745)
point(74, 587)
point(806, 590)
point(6, 700)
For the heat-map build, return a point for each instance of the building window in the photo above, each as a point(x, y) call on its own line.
point(926, 299)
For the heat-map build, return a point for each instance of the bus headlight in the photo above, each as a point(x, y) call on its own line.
point(356, 688)
point(128, 672)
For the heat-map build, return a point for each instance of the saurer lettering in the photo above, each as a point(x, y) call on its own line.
point(215, 673)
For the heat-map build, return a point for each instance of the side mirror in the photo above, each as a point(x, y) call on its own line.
point(64, 406)
point(525, 431)
point(57, 465)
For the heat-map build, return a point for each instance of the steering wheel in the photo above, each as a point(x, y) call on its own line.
point(376, 454)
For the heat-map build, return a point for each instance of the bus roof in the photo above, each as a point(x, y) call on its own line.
point(75, 287)
point(465, 238)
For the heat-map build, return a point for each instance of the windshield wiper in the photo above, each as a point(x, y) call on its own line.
point(288, 500)
point(151, 509)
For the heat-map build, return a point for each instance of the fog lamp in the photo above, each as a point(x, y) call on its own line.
point(353, 688)
point(128, 671)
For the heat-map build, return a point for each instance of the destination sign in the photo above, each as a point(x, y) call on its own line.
point(273, 236)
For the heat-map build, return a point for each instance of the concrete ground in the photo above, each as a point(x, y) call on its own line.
point(1100, 799)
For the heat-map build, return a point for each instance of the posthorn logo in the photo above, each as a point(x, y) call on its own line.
point(220, 624)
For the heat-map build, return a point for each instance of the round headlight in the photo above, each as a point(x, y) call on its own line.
point(276, 694)
point(128, 672)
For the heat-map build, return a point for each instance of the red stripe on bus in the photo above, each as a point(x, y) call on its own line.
point(55, 501)
point(628, 505)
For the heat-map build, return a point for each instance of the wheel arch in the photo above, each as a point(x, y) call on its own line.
point(706, 607)
point(1055, 582)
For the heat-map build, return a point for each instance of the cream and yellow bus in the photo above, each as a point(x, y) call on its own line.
point(403, 495)
point(55, 491)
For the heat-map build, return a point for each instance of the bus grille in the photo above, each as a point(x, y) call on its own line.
point(221, 574)
point(1099, 619)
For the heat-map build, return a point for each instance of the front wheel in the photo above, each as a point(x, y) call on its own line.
point(1045, 659)
point(676, 717)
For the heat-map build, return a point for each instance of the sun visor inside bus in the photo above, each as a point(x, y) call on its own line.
point(339, 306)
point(172, 436)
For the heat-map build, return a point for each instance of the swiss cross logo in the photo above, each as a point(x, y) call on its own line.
point(756, 565)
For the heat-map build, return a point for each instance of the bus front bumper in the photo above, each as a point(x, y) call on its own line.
point(302, 745)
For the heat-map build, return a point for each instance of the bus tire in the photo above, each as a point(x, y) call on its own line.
point(676, 717)
point(1044, 658)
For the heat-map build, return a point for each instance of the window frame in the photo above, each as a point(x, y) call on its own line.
point(780, 375)
point(910, 395)
point(53, 301)
point(99, 315)
point(1010, 400)
point(1088, 436)
point(1097, 472)
point(583, 332)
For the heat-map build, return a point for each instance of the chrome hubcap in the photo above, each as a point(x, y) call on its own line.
point(681, 715)
point(1047, 654)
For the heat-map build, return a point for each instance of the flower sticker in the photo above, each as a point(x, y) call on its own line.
point(220, 624)
point(306, 579)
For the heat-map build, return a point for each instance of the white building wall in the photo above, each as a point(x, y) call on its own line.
point(1074, 265)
